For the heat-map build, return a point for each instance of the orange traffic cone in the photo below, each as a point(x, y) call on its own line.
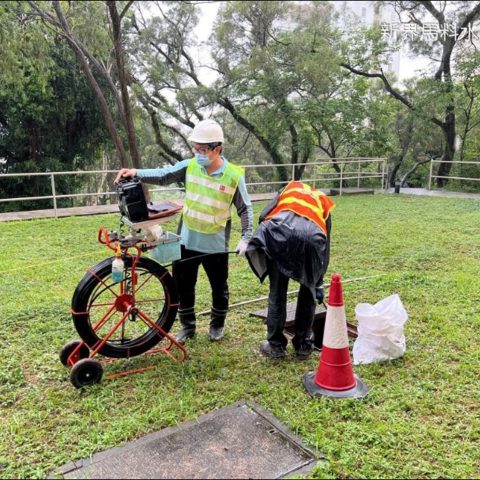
point(335, 377)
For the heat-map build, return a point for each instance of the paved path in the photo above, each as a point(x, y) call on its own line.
point(90, 210)
point(433, 193)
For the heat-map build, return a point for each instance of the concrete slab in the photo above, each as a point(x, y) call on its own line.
point(61, 212)
point(239, 441)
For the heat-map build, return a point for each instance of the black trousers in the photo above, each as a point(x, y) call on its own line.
point(185, 273)
point(277, 311)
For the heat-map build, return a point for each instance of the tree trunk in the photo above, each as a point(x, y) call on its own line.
point(102, 103)
point(449, 147)
point(407, 174)
point(117, 42)
point(392, 177)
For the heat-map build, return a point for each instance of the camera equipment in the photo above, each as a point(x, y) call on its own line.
point(131, 200)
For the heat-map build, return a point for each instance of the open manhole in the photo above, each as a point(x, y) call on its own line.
point(239, 441)
point(318, 324)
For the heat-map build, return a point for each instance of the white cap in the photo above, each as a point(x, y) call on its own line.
point(207, 131)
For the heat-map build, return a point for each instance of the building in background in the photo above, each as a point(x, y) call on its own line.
point(371, 13)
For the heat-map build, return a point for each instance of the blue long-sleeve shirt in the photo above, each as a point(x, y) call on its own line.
point(204, 242)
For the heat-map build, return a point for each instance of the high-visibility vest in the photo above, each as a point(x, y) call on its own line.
point(208, 199)
point(304, 201)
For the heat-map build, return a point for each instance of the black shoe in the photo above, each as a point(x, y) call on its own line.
point(216, 333)
point(184, 334)
point(303, 352)
point(267, 350)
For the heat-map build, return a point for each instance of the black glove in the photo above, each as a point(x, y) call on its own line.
point(319, 295)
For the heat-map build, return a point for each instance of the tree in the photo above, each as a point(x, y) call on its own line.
point(48, 120)
point(468, 101)
point(166, 81)
point(270, 56)
point(414, 13)
point(262, 70)
point(416, 146)
point(88, 62)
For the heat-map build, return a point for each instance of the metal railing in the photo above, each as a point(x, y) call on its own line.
point(316, 173)
point(452, 177)
point(321, 177)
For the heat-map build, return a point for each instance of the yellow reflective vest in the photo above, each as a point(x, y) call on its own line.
point(208, 199)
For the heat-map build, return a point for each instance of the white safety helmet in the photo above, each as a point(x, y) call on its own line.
point(207, 131)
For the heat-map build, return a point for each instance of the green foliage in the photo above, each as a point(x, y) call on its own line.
point(278, 64)
point(420, 419)
point(49, 119)
point(273, 72)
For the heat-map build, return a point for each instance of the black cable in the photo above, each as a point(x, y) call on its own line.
point(230, 252)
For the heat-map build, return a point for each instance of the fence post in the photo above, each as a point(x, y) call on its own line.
point(293, 172)
point(430, 175)
point(341, 177)
point(384, 175)
point(52, 182)
point(358, 175)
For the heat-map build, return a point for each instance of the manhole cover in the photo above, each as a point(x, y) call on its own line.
point(238, 441)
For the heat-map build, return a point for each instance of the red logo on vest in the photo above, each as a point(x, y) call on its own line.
point(222, 188)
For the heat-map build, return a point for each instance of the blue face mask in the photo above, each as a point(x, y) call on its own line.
point(202, 159)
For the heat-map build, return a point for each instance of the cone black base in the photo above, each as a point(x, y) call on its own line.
point(360, 390)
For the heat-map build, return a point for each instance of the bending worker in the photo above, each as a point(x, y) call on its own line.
point(292, 242)
point(212, 185)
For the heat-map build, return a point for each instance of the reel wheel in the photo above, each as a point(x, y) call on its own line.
point(67, 350)
point(86, 372)
point(99, 304)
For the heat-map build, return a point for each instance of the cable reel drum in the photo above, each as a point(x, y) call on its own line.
point(127, 315)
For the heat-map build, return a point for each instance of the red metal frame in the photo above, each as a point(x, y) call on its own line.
point(124, 302)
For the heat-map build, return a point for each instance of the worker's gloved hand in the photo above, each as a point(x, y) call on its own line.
point(319, 295)
point(242, 247)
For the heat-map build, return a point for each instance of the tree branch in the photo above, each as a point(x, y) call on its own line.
point(389, 89)
point(227, 104)
point(469, 18)
point(158, 135)
point(428, 5)
point(409, 172)
point(125, 9)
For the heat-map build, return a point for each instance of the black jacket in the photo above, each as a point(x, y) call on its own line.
point(298, 246)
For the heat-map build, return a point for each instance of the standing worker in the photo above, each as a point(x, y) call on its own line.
point(292, 241)
point(212, 184)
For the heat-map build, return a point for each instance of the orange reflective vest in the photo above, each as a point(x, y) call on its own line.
point(306, 202)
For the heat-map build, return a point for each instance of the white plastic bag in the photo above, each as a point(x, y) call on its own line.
point(380, 331)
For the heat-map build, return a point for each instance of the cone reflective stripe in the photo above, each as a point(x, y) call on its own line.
point(335, 377)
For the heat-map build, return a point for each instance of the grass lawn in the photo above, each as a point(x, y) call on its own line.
point(421, 418)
